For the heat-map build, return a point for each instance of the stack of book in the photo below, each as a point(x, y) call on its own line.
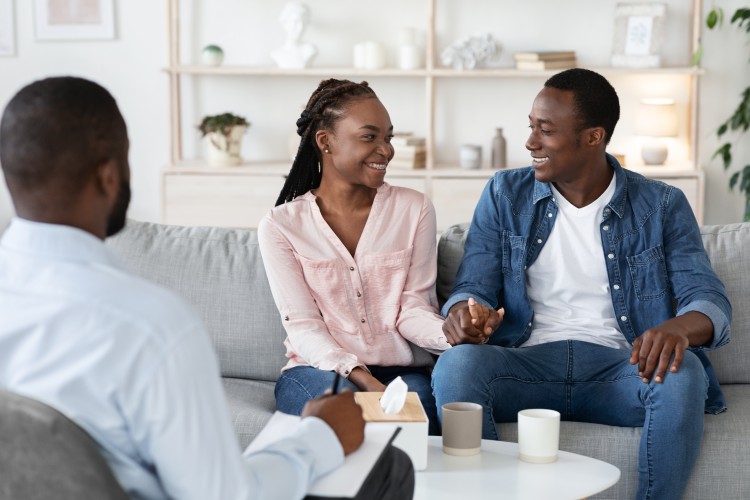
point(545, 60)
point(410, 152)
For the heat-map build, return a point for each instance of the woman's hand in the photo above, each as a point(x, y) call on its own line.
point(365, 381)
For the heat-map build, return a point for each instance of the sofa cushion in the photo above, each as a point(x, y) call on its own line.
point(220, 272)
point(728, 248)
point(251, 404)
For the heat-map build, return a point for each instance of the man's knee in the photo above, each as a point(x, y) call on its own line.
point(456, 359)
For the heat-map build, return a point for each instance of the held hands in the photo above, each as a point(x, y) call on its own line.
point(471, 323)
point(343, 415)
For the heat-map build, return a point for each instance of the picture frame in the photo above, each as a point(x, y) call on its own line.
point(638, 34)
point(74, 19)
point(7, 29)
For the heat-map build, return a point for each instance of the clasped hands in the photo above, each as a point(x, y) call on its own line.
point(470, 322)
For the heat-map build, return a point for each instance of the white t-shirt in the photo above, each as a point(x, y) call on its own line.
point(568, 284)
point(132, 365)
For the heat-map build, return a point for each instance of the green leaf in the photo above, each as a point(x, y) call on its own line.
point(725, 152)
point(697, 55)
point(733, 180)
point(722, 130)
point(712, 18)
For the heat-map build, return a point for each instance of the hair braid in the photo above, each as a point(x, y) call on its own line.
point(325, 107)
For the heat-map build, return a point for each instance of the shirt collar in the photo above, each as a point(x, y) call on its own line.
point(55, 242)
point(542, 190)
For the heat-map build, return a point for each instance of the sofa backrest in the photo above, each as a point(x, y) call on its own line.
point(728, 247)
point(220, 272)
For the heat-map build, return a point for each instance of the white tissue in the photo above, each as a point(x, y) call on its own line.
point(394, 396)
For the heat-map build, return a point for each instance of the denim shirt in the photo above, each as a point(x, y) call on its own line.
point(656, 263)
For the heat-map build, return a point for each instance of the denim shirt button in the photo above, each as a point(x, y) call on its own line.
point(549, 214)
point(624, 318)
point(610, 256)
point(539, 240)
point(529, 323)
point(616, 287)
point(606, 228)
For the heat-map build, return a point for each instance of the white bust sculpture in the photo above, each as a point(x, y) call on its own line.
point(294, 54)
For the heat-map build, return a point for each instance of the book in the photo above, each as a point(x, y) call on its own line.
point(542, 65)
point(544, 56)
point(346, 481)
point(407, 139)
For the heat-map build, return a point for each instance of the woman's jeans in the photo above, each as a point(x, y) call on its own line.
point(587, 383)
point(296, 386)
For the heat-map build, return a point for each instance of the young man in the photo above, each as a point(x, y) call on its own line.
point(126, 360)
point(608, 297)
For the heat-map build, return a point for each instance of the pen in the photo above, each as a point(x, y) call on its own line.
point(335, 387)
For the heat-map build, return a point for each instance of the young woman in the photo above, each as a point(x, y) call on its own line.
point(350, 259)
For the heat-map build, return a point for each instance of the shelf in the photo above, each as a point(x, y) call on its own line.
point(508, 72)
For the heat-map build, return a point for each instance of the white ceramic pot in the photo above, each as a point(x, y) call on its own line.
point(224, 151)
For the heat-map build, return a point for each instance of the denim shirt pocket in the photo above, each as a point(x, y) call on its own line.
point(649, 273)
point(514, 254)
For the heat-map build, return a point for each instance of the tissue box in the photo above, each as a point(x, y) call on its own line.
point(412, 419)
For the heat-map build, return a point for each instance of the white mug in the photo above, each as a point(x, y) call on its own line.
point(538, 435)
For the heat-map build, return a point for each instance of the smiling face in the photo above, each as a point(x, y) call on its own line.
point(558, 143)
point(359, 147)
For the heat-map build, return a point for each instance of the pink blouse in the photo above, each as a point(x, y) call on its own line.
point(340, 311)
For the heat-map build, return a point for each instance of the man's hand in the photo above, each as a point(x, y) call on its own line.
point(365, 381)
point(471, 323)
point(654, 349)
point(343, 415)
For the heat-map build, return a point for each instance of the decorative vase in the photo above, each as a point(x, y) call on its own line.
point(224, 150)
point(212, 55)
point(409, 56)
point(470, 156)
point(499, 158)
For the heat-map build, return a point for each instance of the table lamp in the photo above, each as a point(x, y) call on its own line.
point(657, 118)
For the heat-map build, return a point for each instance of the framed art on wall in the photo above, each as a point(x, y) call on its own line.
point(7, 29)
point(638, 34)
point(74, 19)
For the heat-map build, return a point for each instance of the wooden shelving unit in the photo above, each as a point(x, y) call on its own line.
point(454, 190)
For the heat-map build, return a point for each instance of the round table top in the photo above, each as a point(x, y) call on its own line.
point(498, 473)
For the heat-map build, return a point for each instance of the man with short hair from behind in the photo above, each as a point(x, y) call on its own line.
point(126, 360)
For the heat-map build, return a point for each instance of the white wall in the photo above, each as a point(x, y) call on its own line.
point(130, 67)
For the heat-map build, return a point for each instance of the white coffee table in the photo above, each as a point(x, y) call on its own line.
point(498, 473)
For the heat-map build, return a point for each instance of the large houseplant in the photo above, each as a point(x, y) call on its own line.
point(739, 120)
point(224, 132)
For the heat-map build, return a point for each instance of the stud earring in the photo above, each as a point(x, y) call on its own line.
point(326, 150)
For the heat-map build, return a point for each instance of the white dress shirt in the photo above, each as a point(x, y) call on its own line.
point(132, 365)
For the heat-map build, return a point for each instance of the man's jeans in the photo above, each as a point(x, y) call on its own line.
point(296, 386)
point(586, 383)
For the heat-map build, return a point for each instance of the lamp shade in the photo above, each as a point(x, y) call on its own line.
point(657, 117)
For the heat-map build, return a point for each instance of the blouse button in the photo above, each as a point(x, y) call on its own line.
point(346, 372)
point(359, 294)
point(286, 318)
point(351, 268)
point(362, 320)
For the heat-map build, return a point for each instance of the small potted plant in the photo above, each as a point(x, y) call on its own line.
point(224, 134)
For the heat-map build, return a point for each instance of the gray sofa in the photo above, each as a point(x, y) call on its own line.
point(221, 273)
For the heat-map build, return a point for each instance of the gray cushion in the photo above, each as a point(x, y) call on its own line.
point(251, 404)
point(450, 252)
point(724, 442)
point(728, 248)
point(220, 272)
point(45, 455)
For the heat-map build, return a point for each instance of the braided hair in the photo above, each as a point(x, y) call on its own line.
point(325, 107)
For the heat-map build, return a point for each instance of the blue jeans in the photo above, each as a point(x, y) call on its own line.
point(296, 386)
point(586, 383)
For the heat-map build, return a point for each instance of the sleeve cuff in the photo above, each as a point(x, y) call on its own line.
point(461, 297)
point(717, 317)
point(322, 443)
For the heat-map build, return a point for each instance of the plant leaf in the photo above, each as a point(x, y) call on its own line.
point(697, 55)
point(712, 18)
point(733, 180)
